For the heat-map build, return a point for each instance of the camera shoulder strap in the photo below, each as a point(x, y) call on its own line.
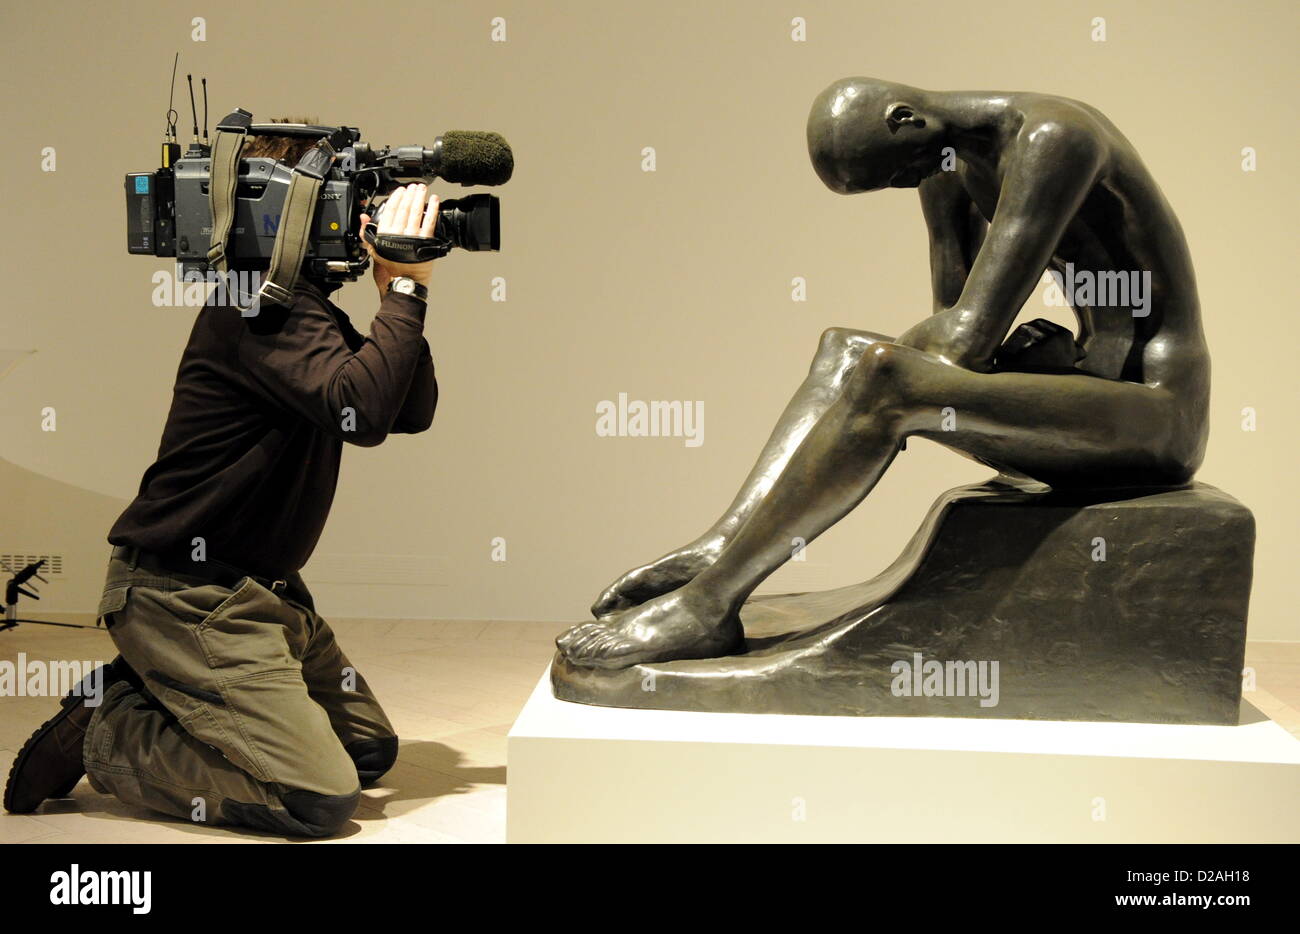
point(229, 143)
point(293, 236)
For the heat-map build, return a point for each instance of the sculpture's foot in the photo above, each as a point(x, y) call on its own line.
point(998, 608)
point(664, 575)
point(674, 626)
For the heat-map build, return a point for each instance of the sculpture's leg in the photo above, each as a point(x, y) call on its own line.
point(837, 354)
point(1053, 427)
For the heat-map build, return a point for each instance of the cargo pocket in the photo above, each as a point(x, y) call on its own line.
point(205, 714)
point(208, 697)
point(199, 604)
point(248, 634)
point(204, 725)
point(113, 600)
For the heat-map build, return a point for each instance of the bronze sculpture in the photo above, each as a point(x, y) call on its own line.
point(1011, 185)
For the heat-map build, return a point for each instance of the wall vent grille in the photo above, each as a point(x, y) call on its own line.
point(52, 568)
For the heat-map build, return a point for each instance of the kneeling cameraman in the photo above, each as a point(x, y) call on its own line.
point(231, 702)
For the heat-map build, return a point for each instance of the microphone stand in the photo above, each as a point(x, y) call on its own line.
point(14, 587)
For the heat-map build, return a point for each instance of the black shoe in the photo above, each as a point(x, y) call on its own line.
point(50, 763)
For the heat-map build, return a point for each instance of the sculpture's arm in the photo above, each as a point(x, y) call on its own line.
point(1047, 177)
point(956, 229)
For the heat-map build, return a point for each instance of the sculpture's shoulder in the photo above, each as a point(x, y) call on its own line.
point(1066, 127)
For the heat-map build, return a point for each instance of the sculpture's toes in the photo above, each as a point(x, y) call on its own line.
point(610, 649)
point(592, 635)
point(568, 640)
point(665, 629)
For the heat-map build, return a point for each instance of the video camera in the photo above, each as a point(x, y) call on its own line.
point(209, 207)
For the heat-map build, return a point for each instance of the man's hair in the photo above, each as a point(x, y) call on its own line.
point(288, 149)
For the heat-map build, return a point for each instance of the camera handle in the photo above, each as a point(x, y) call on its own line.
point(403, 249)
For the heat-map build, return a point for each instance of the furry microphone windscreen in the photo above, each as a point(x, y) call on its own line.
point(476, 157)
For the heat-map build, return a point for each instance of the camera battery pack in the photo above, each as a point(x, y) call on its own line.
point(149, 227)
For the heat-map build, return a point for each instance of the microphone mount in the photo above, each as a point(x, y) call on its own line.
point(14, 588)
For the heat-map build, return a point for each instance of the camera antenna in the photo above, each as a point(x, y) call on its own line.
point(205, 111)
point(194, 111)
point(170, 133)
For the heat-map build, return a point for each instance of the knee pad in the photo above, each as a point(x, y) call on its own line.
point(373, 757)
point(320, 815)
point(305, 814)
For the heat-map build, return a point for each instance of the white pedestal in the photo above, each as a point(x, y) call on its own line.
point(599, 774)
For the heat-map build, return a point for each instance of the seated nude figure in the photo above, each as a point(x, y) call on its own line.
point(1037, 182)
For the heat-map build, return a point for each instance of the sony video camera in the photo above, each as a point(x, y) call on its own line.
point(208, 206)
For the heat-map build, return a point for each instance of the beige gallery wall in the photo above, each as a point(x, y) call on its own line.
point(673, 284)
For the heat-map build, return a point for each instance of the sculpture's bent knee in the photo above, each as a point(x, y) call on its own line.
point(877, 386)
point(838, 352)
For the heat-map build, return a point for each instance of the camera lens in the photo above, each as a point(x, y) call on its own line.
point(471, 223)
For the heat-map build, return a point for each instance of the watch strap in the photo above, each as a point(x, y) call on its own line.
point(416, 289)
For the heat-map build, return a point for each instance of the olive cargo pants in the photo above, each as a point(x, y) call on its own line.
point(243, 709)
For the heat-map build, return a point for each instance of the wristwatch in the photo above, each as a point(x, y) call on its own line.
point(408, 286)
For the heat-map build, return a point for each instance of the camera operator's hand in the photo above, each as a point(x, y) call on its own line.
point(401, 214)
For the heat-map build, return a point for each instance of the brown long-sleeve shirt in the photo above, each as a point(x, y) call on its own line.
point(250, 453)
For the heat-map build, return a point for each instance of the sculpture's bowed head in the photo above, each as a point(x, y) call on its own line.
point(865, 134)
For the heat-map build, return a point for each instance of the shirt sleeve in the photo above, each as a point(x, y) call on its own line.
point(312, 366)
point(421, 398)
point(351, 336)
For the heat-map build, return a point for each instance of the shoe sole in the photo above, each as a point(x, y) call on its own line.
point(66, 706)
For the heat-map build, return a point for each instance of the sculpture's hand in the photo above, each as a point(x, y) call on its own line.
point(1038, 345)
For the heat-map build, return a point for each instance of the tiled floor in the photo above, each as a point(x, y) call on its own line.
point(452, 689)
